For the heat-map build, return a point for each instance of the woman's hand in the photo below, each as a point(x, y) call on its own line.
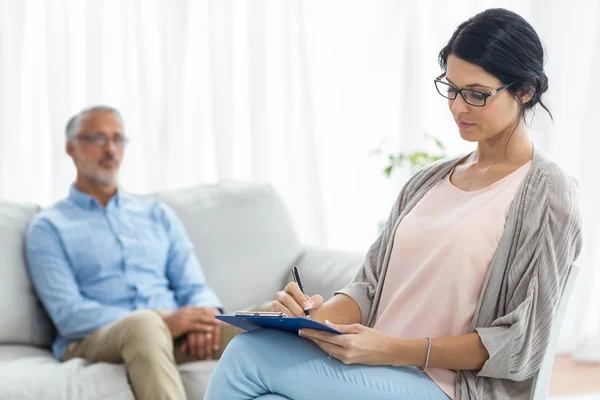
point(292, 302)
point(357, 344)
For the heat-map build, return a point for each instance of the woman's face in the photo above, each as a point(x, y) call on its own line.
point(475, 124)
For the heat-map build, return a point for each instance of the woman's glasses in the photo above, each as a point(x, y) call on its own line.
point(472, 97)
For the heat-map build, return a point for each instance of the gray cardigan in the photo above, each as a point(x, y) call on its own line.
point(516, 308)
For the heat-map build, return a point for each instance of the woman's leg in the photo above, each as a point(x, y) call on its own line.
point(268, 361)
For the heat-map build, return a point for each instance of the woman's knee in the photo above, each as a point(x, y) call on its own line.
point(259, 347)
point(256, 339)
point(237, 344)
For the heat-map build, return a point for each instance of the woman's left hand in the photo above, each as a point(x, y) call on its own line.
point(357, 344)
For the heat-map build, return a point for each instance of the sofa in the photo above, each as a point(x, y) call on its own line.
point(246, 243)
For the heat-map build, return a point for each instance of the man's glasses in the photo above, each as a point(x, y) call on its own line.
point(101, 140)
point(472, 97)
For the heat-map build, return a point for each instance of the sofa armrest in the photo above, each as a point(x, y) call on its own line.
point(323, 271)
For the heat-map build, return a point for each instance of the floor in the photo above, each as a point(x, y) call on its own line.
point(572, 380)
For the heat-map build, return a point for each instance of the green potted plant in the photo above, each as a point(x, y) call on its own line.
point(409, 162)
point(415, 160)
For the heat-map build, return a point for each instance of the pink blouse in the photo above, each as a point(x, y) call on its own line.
point(440, 256)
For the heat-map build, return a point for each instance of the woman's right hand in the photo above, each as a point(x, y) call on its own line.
point(292, 302)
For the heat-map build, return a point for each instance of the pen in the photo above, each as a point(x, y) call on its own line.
point(296, 276)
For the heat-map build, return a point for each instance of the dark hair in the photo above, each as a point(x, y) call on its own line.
point(506, 46)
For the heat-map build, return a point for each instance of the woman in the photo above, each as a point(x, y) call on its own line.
point(473, 256)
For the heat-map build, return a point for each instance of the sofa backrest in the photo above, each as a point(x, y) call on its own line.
point(242, 233)
point(244, 238)
point(22, 317)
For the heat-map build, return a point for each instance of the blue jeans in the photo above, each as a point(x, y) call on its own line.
point(272, 365)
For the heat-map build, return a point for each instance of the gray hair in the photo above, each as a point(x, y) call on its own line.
point(74, 124)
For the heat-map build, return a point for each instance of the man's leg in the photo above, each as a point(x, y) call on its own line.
point(143, 342)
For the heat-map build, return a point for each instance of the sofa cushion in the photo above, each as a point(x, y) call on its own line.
point(17, 352)
point(243, 236)
point(195, 377)
point(23, 317)
point(29, 373)
point(38, 375)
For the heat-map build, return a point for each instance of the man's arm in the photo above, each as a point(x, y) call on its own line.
point(183, 269)
point(74, 316)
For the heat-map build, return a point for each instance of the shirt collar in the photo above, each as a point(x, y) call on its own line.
point(87, 202)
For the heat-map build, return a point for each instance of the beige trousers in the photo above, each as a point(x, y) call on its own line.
point(144, 343)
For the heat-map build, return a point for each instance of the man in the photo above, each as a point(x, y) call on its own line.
point(118, 274)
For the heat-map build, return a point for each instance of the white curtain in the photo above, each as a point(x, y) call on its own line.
point(295, 93)
point(210, 91)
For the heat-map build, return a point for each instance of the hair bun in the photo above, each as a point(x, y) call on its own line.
point(542, 84)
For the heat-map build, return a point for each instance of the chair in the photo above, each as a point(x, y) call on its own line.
point(541, 381)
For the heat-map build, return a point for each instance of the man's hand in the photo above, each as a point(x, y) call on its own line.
point(202, 345)
point(193, 319)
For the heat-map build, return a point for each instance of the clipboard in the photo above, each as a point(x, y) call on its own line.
point(252, 320)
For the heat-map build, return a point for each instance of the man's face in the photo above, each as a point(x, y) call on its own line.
point(98, 147)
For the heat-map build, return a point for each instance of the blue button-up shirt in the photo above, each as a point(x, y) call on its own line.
point(93, 265)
